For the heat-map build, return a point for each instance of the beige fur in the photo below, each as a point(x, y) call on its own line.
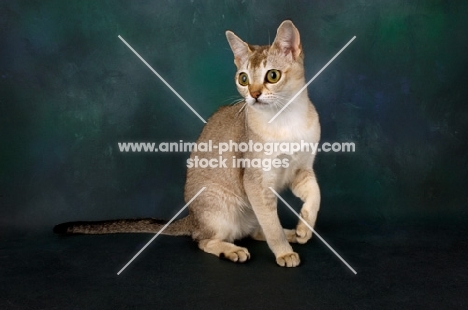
point(237, 202)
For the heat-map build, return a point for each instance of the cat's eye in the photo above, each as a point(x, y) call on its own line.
point(273, 76)
point(243, 79)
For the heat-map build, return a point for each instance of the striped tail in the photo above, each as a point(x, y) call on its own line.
point(180, 227)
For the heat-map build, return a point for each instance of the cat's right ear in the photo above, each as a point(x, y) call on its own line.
point(239, 48)
point(287, 40)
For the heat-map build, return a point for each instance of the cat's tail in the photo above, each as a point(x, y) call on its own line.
point(181, 227)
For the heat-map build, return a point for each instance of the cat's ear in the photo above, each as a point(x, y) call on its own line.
point(287, 40)
point(239, 48)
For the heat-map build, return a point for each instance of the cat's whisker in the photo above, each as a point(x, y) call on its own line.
point(282, 101)
point(278, 103)
point(232, 97)
point(237, 101)
point(241, 109)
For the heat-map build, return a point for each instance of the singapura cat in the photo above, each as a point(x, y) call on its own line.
point(238, 202)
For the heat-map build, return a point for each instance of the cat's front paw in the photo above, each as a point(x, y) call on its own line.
point(237, 255)
point(288, 260)
point(303, 232)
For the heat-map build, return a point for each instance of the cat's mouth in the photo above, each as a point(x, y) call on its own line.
point(257, 102)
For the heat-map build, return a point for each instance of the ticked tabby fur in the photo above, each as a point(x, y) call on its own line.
point(238, 202)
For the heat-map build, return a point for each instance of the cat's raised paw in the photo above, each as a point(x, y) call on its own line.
point(239, 255)
point(288, 260)
point(303, 233)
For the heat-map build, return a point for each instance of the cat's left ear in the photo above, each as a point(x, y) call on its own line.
point(288, 40)
point(239, 48)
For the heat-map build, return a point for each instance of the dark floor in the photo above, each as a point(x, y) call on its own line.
point(406, 267)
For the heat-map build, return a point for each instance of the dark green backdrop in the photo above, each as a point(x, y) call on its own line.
point(70, 90)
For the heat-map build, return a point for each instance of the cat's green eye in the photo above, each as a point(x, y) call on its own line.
point(243, 79)
point(273, 76)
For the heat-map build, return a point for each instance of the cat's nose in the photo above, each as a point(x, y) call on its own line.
point(255, 94)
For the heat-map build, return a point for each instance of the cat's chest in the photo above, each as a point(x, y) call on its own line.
point(294, 132)
point(295, 142)
point(300, 124)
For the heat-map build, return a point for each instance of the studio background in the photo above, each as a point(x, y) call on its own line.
point(70, 90)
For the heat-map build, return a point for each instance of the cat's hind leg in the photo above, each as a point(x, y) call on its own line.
point(224, 249)
point(220, 217)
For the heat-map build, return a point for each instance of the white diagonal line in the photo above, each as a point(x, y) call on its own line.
point(311, 80)
point(159, 232)
point(318, 236)
point(163, 80)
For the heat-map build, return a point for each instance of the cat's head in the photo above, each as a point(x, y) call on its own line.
point(269, 76)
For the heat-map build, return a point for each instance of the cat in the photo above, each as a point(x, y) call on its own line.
point(237, 201)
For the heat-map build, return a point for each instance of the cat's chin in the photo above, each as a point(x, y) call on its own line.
point(261, 104)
